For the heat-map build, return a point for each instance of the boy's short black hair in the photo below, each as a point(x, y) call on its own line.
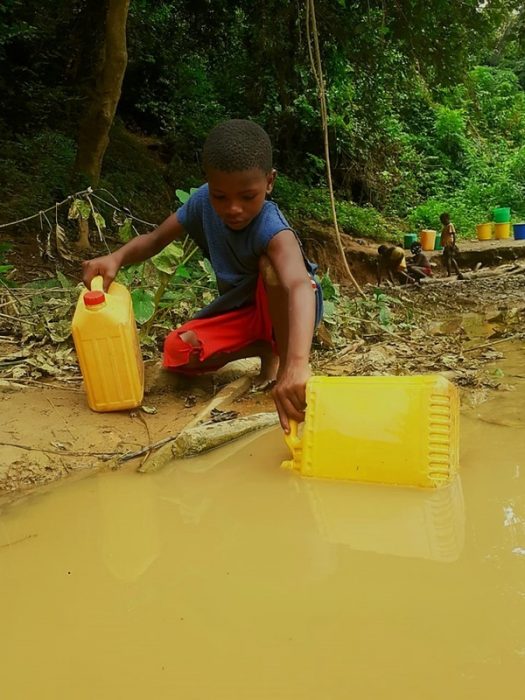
point(235, 145)
point(382, 249)
point(444, 215)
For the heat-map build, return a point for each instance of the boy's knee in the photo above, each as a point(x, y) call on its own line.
point(191, 338)
point(179, 349)
point(267, 272)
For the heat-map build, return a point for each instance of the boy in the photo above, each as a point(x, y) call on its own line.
point(391, 264)
point(269, 303)
point(418, 265)
point(448, 241)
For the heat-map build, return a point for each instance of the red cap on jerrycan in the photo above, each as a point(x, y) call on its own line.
point(94, 298)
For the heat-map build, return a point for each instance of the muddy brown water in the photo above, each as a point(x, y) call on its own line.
point(226, 577)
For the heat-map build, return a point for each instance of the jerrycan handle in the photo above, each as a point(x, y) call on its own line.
point(292, 438)
point(97, 284)
point(295, 445)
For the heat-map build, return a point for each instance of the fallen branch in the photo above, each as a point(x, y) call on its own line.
point(203, 438)
point(104, 456)
point(149, 448)
point(63, 453)
point(228, 393)
point(69, 198)
point(20, 539)
point(500, 271)
point(42, 212)
point(25, 382)
point(494, 342)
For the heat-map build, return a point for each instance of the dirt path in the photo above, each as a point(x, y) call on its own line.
point(48, 432)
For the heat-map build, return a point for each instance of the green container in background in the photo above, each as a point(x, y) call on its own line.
point(502, 215)
point(437, 244)
point(409, 239)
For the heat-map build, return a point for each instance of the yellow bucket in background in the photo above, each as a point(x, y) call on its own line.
point(502, 230)
point(427, 238)
point(391, 430)
point(484, 231)
point(107, 347)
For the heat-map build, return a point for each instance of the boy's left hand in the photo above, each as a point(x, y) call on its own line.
point(289, 395)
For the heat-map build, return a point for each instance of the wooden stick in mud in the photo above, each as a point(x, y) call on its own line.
point(502, 271)
point(508, 339)
point(203, 438)
point(228, 393)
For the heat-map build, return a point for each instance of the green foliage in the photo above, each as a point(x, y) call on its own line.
point(348, 319)
point(450, 131)
point(79, 209)
point(143, 304)
point(169, 258)
point(5, 267)
point(125, 231)
point(135, 176)
point(34, 172)
point(175, 281)
point(418, 119)
point(301, 202)
point(329, 289)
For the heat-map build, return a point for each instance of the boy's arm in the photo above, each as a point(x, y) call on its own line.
point(137, 250)
point(287, 260)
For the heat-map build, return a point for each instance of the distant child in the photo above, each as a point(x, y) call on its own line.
point(448, 241)
point(269, 302)
point(391, 263)
point(418, 266)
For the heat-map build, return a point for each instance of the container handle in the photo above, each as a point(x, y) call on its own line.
point(292, 438)
point(294, 443)
point(97, 284)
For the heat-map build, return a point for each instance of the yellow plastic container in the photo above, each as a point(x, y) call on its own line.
point(502, 230)
point(484, 231)
point(107, 347)
point(427, 239)
point(392, 430)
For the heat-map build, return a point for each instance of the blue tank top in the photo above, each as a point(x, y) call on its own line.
point(234, 255)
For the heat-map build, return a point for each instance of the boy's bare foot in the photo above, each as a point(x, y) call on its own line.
point(268, 373)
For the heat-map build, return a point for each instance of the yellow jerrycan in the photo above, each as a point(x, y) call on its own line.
point(392, 430)
point(107, 347)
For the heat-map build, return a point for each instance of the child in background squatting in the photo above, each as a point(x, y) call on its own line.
point(391, 263)
point(418, 266)
point(268, 304)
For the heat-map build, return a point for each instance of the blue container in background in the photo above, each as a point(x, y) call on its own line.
point(519, 232)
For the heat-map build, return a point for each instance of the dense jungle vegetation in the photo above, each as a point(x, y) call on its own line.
point(426, 103)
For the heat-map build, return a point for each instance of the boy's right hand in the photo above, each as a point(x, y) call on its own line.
point(106, 266)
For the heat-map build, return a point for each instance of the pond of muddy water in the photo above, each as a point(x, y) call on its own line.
point(226, 577)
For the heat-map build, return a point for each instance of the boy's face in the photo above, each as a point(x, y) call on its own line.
point(239, 196)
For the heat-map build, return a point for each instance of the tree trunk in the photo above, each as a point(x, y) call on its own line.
point(93, 137)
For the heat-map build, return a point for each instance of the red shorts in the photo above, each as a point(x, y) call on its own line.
point(226, 332)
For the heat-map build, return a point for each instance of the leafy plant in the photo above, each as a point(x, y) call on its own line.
point(5, 267)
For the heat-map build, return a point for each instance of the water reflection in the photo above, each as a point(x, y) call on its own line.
point(405, 522)
point(427, 524)
point(128, 520)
